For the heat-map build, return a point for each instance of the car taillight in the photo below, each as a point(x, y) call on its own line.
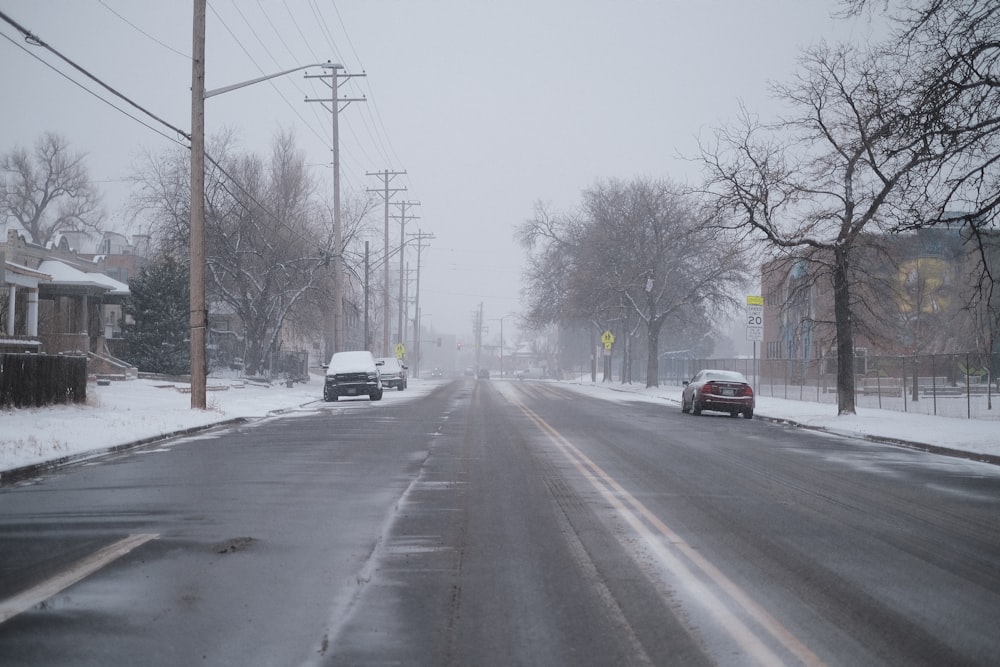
point(746, 390)
point(708, 388)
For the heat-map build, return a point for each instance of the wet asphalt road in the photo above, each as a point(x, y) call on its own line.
point(500, 523)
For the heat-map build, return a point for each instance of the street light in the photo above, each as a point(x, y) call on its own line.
point(199, 313)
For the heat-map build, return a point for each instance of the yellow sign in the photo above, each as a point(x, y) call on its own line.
point(755, 301)
point(608, 339)
point(400, 350)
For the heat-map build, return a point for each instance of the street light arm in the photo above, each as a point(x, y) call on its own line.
point(226, 89)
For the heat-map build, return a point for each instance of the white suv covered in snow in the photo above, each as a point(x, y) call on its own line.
point(352, 373)
point(393, 372)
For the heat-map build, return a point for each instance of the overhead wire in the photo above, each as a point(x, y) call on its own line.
point(31, 38)
point(261, 70)
point(352, 148)
point(315, 113)
point(325, 29)
point(373, 109)
point(143, 32)
point(327, 34)
point(277, 33)
point(254, 33)
point(305, 41)
point(374, 136)
point(34, 39)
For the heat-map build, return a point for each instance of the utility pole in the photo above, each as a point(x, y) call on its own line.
point(406, 307)
point(501, 347)
point(479, 333)
point(336, 79)
point(419, 237)
point(404, 206)
point(368, 343)
point(386, 176)
point(198, 314)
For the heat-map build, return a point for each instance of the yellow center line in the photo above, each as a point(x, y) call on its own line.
point(36, 595)
point(621, 499)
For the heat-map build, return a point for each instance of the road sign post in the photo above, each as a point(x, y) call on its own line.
point(608, 339)
point(755, 328)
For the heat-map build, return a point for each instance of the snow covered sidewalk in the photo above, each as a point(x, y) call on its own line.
point(126, 412)
point(977, 438)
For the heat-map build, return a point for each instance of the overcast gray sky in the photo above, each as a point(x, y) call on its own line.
point(488, 106)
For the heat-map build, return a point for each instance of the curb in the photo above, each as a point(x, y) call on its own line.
point(992, 459)
point(35, 469)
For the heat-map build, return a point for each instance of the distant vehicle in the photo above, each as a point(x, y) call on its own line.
point(520, 375)
point(483, 374)
point(352, 373)
point(470, 371)
point(437, 373)
point(393, 372)
point(721, 391)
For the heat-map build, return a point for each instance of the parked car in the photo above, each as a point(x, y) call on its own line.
point(353, 373)
point(393, 372)
point(483, 374)
point(721, 391)
point(437, 373)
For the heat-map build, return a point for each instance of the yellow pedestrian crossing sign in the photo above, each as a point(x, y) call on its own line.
point(608, 339)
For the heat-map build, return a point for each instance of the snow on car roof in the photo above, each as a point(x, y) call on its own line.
point(731, 376)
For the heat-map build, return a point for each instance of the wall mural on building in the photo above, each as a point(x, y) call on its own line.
point(926, 286)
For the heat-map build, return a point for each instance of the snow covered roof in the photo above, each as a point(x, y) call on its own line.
point(25, 271)
point(115, 286)
point(64, 274)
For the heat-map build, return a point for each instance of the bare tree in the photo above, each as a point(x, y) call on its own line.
point(48, 191)
point(262, 255)
point(641, 250)
point(268, 235)
point(952, 49)
point(550, 240)
point(824, 182)
point(663, 256)
point(314, 313)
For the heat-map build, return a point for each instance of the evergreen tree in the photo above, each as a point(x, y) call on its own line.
point(157, 335)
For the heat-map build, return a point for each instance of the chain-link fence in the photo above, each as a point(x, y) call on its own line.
point(951, 385)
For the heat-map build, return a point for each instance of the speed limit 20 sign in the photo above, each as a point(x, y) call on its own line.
point(755, 318)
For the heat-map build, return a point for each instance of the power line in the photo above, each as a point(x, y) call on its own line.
point(261, 70)
point(143, 32)
point(254, 33)
point(299, 29)
point(89, 91)
point(36, 41)
point(33, 39)
point(277, 33)
point(232, 179)
point(373, 110)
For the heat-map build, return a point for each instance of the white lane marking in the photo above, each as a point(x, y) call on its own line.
point(618, 497)
point(26, 600)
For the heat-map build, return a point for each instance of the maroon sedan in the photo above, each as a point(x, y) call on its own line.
point(721, 391)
